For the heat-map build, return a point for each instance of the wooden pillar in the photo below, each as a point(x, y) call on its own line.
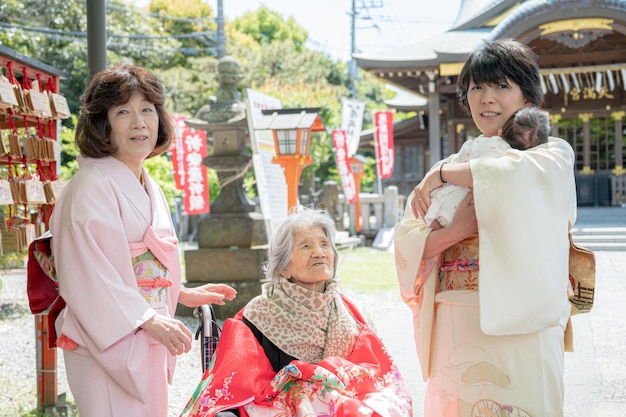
point(585, 117)
point(619, 145)
point(452, 138)
point(46, 365)
point(434, 129)
point(461, 135)
point(554, 124)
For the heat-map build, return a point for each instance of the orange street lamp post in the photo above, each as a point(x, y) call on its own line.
point(291, 129)
point(357, 163)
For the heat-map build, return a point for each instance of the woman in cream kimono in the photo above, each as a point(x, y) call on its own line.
point(116, 254)
point(489, 292)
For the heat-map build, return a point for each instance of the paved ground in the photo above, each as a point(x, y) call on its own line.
point(595, 373)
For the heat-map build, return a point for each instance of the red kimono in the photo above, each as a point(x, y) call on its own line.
point(240, 376)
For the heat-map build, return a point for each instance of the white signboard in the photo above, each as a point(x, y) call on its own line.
point(270, 180)
point(351, 123)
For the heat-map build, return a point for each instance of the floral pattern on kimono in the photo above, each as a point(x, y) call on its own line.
point(152, 279)
point(367, 383)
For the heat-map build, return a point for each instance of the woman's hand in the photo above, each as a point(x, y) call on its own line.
point(463, 226)
point(464, 222)
point(171, 333)
point(421, 197)
point(206, 294)
point(459, 173)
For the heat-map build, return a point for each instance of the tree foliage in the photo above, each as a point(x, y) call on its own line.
point(174, 38)
point(266, 26)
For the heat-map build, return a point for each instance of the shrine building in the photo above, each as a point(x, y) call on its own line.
point(581, 45)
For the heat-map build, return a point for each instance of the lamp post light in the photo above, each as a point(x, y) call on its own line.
point(357, 163)
point(291, 129)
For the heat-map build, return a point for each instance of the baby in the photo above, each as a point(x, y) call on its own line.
point(528, 127)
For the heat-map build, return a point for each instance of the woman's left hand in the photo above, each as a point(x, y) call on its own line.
point(206, 294)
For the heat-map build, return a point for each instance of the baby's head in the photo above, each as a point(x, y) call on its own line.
point(526, 128)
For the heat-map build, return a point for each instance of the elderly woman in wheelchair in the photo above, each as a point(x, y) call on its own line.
point(301, 347)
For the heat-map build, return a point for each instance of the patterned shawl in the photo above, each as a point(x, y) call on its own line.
point(305, 324)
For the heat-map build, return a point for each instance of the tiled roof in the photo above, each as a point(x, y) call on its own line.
point(547, 10)
point(469, 29)
point(475, 13)
point(447, 47)
point(406, 101)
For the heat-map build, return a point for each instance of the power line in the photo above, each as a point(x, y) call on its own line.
point(162, 16)
point(81, 37)
point(59, 32)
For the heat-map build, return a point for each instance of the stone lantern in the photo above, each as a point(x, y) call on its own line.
point(232, 239)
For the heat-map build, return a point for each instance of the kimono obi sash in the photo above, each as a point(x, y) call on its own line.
point(460, 269)
point(151, 259)
point(461, 274)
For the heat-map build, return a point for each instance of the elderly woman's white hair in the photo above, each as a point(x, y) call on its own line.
point(282, 242)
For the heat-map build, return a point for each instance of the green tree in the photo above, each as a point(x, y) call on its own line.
point(192, 22)
point(170, 38)
point(189, 88)
point(266, 26)
point(303, 78)
point(54, 32)
point(69, 164)
point(160, 168)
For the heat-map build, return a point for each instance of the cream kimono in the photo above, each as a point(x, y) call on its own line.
point(118, 265)
point(497, 347)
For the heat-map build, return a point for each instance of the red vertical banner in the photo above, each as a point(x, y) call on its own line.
point(383, 123)
point(340, 147)
point(190, 175)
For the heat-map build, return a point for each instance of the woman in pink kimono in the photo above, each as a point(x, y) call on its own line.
point(489, 291)
point(116, 254)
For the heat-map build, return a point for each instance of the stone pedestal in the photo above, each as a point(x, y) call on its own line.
point(225, 264)
point(238, 267)
point(232, 239)
point(241, 230)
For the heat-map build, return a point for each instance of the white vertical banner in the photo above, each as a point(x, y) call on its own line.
point(270, 180)
point(352, 122)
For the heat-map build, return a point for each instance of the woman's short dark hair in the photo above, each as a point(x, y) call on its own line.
point(500, 60)
point(113, 87)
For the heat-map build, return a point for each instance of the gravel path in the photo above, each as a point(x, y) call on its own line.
point(18, 360)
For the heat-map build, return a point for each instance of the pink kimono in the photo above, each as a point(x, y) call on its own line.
point(118, 265)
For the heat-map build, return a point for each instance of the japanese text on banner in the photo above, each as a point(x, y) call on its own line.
point(351, 123)
point(383, 122)
point(190, 175)
point(340, 147)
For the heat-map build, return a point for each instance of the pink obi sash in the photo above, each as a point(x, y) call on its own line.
point(460, 274)
point(161, 248)
point(460, 265)
point(151, 261)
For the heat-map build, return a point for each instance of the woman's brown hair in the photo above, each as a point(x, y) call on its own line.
point(110, 88)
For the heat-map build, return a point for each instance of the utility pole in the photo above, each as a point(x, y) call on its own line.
point(221, 38)
point(353, 71)
point(96, 36)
